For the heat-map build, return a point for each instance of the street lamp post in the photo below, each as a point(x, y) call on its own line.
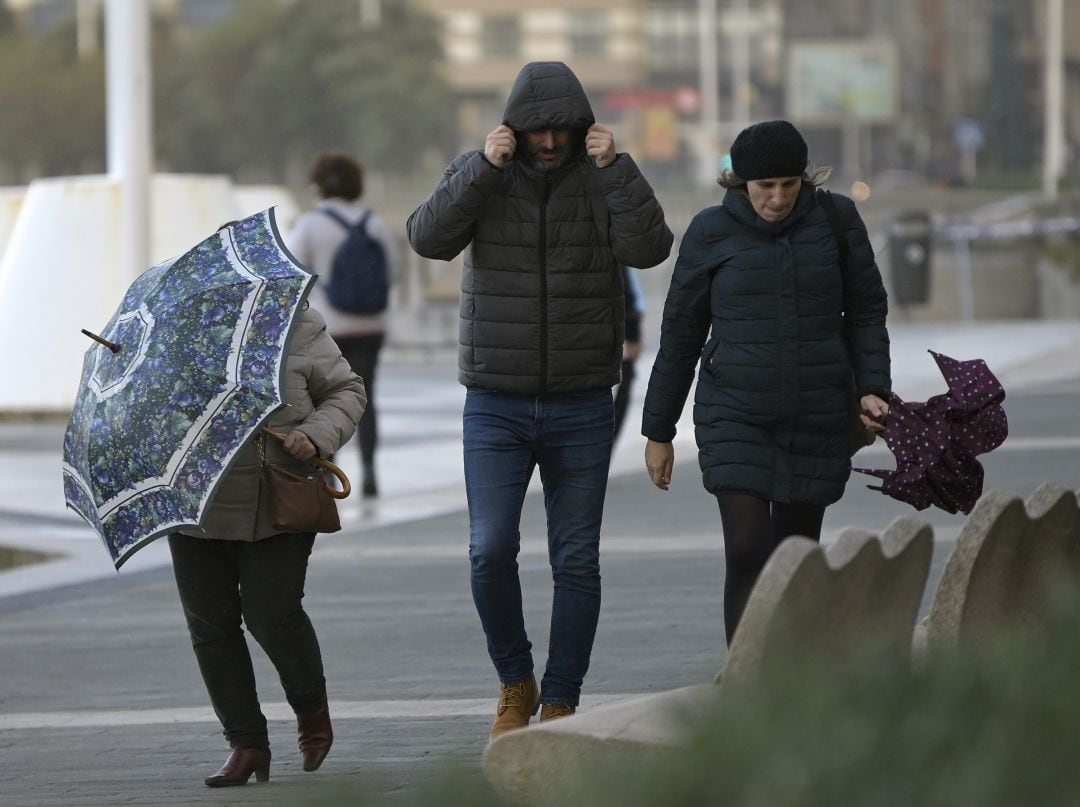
point(1053, 106)
point(86, 27)
point(740, 65)
point(127, 80)
point(710, 89)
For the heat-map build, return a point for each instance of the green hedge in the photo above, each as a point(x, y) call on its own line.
point(997, 726)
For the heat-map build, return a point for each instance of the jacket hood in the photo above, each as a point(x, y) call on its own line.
point(547, 95)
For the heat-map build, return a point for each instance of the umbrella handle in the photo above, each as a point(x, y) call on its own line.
point(346, 486)
point(115, 348)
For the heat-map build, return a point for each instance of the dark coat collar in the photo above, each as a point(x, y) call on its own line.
point(738, 205)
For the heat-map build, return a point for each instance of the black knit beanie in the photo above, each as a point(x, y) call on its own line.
point(768, 150)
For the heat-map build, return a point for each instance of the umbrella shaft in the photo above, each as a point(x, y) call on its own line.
point(115, 348)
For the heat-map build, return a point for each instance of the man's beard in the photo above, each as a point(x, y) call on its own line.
point(560, 156)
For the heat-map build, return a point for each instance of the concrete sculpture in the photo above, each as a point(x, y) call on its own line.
point(1008, 559)
point(858, 595)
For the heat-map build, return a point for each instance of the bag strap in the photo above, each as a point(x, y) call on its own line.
point(833, 215)
point(340, 219)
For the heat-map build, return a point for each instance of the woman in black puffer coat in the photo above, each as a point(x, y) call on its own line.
point(780, 323)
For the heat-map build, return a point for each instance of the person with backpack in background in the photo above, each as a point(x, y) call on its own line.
point(353, 252)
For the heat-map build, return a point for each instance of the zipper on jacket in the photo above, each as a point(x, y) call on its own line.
point(543, 288)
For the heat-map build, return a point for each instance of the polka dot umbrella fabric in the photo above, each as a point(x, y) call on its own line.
point(936, 443)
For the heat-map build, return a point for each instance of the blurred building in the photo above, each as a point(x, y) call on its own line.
point(605, 41)
point(922, 85)
point(970, 79)
point(908, 85)
point(639, 60)
point(46, 13)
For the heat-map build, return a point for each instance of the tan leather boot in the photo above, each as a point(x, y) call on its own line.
point(553, 711)
point(517, 703)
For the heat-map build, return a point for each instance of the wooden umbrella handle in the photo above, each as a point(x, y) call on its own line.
point(346, 486)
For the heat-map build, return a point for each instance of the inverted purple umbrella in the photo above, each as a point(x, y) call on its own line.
point(935, 443)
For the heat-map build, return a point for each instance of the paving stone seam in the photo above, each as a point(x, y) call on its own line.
point(342, 710)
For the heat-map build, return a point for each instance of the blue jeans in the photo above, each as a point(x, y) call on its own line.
point(569, 437)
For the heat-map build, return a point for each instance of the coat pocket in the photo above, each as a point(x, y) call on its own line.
point(709, 364)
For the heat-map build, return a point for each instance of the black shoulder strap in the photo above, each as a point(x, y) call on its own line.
point(336, 217)
point(344, 222)
point(833, 215)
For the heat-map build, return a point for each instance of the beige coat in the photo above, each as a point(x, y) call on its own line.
point(326, 399)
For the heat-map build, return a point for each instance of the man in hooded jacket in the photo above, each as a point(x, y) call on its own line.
point(546, 213)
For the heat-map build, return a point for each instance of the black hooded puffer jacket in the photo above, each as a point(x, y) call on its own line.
point(762, 307)
point(541, 296)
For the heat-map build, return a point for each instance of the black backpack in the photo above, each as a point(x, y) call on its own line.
point(359, 281)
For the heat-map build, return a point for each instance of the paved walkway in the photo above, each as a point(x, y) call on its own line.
point(100, 700)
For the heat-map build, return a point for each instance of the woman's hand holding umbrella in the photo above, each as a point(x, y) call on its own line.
point(873, 414)
point(299, 445)
point(935, 443)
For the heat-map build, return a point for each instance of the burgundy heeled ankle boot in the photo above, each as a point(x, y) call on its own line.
point(242, 762)
point(314, 736)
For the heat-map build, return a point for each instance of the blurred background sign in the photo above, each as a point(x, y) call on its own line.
point(968, 134)
point(684, 99)
point(661, 140)
point(830, 80)
point(968, 137)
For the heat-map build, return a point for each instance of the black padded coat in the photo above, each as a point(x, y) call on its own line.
point(788, 325)
point(541, 296)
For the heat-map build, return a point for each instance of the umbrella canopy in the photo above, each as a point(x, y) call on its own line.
point(198, 366)
point(935, 443)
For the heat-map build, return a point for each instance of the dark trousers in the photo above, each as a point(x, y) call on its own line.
point(753, 528)
point(362, 353)
point(261, 584)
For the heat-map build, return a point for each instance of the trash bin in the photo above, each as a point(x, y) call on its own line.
point(909, 257)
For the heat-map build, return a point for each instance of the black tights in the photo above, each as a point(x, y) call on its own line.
point(362, 353)
point(753, 528)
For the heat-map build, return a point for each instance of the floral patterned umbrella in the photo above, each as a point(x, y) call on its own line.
point(186, 371)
